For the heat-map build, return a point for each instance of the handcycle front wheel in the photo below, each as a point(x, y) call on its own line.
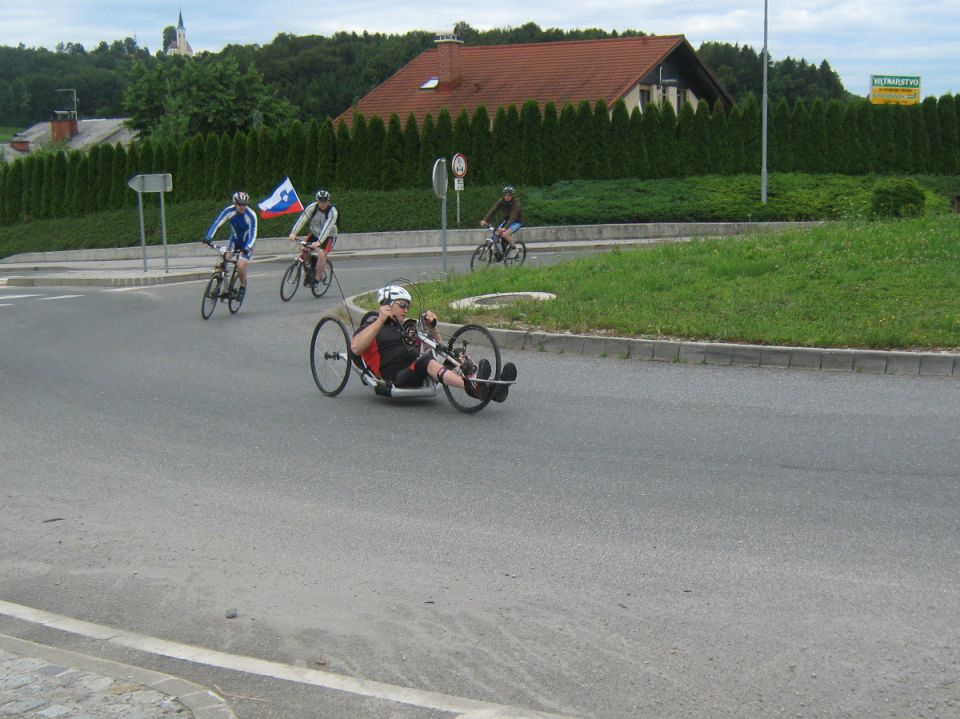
point(291, 281)
point(330, 356)
point(320, 287)
point(469, 345)
point(515, 255)
point(211, 295)
point(481, 257)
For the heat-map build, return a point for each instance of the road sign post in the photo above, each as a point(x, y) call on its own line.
point(153, 183)
point(459, 166)
point(440, 190)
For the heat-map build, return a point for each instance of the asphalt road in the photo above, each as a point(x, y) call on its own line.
point(617, 539)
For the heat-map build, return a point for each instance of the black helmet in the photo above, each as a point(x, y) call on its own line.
point(322, 195)
point(508, 190)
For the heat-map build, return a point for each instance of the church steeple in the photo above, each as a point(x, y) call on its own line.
point(180, 46)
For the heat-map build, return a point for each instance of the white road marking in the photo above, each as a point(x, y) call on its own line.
point(59, 297)
point(18, 297)
point(262, 667)
point(169, 284)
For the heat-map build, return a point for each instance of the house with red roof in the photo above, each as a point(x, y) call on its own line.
point(451, 75)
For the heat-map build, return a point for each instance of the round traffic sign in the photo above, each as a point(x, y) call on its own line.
point(459, 164)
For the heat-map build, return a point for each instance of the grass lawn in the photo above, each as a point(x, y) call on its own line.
point(7, 133)
point(881, 285)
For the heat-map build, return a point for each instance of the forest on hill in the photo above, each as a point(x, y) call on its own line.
point(313, 76)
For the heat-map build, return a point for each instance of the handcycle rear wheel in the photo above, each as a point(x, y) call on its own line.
point(211, 295)
point(291, 281)
point(476, 343)
point(330, 356)
point(481, 257)
point(320, 288)
point(234, 298)
point(516, 255)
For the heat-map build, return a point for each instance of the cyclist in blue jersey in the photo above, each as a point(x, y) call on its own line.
point(243, 233)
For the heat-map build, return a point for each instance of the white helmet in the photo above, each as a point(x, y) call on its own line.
point(241, 198)
point(390, 294)
point(322, 195)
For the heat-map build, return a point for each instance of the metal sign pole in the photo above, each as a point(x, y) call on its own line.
point(440, 190)
point(163, 235)
point(143, 236)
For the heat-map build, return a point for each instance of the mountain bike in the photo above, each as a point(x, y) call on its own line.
point(301, 268)
point(223, 284)
point(492, 250)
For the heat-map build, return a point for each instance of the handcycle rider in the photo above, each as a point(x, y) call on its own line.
point(511, 211)
point(243, 233)
point(380, 343)
point(320, 218)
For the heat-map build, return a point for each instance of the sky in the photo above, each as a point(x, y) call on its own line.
point(859, 38)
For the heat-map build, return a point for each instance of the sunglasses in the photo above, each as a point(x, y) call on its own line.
point(403, 305)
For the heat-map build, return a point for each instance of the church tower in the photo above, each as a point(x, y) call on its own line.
point(181, 47)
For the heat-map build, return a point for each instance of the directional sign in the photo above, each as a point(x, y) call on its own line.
point(151, 183)
point(459, 165)
point(440, 178)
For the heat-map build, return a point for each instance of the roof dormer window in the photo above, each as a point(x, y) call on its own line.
point(431, 84)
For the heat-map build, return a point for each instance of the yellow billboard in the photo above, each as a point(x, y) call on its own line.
point(894, 90)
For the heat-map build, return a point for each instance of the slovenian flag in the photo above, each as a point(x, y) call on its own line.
point(283, 201)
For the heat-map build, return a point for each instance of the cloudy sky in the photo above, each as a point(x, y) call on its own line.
point(857, 37)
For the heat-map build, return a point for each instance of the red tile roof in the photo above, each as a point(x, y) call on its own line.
point(503, 75)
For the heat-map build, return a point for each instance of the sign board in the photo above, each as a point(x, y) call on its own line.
point(151, 183)
point(459, 165)
point(894, 90)
point(458, 184)
point(440, 178)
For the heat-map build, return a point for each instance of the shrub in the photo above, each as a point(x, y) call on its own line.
point(898, 197)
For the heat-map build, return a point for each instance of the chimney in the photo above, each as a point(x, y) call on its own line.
point(448, 46)
point(63, 126)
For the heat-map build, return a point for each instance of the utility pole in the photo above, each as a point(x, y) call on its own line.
point(763, 130)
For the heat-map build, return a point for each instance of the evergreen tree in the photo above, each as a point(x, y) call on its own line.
point(251, 152)
point(13, 194)
point(359, 152)
point(372, 165)
point(868, 138)
point(884, 139)
point(209, 187)
point(220, 175)
point(833, 152)
point(921, 142)
point(601, 135)
point(904, 151)
point(411, 153)
point(587, 161)
point(327, 159)
point(529, 167)
point(949, 138)
point(618, 140)
point(70, 206)
point(428, 151)
point(79, 180)
point(236, 165)
point(461, 135)
point(4, 171)
point(481, 147)
point(311, 156)
point(568, 161)
point(144, 164)
point(850, 149)
point(651, 132)
point(720, 158)
point(817, 149)
point(550, 144)
point(701, 139)
point(669, 150)
point(735, 135)
point(128, 197)
point(118, 182)
point(931, 120)
point(800, 137)
point(686, 144)
point(296, 150)
point(26, 204)
point(46, 190)
point(344, 144)
point(752, 131)
point(444, 139)
point(392, 176)
point(637, 145)
point(104, 176)
point(265, 175)
point(506, 145)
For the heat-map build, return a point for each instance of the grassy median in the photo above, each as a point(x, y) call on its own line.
point(882, 285)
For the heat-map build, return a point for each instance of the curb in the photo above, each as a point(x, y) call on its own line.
point(918, 364)
point(202, 703)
